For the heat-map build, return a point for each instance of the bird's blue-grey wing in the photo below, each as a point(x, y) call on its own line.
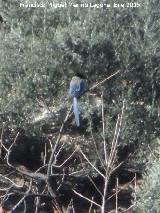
point(82, 86)
point(74, 88)
point(77, 88)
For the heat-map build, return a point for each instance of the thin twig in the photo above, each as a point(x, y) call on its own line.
point(45, 154)
point(37, 202)
point(61, 181)
point(90, 208)
point(50, 189)
point(103, 130)
point(97, 151)
point(117, 183)
point(66, 160)
point(119, 129)
point(23, 198)
point(124, 186)
point(113, 143)
point(91, 163)
point(9, 150)
point(57, 142)
point(104, 80)
point(95, 186)
point(135, 188)
point(116, 137)
point(1, 141)
point(86, 198)
point(9, 180)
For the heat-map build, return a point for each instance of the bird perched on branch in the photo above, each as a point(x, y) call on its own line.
point(76, 89)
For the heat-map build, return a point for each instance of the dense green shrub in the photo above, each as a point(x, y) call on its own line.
point(148, 195)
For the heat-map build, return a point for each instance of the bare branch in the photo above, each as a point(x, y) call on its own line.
point(90, 208)
point(57, 142)
point(95, 186)
point(115, 138)
point(50, 189)
point(103, 130)
point(1, 141)
point(91, 163)
point(86, 198)
point(23, 198)
point(97, 151)
point(104, 193)
point(10, 181)
point(117, 183)
point(104, 80)
point(8, 151)
point(66, 160)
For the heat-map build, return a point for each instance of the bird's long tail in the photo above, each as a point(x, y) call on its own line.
point(76, 111)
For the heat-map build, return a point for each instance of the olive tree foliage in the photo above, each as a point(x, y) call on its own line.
point(148, 196)
point(43, 48)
